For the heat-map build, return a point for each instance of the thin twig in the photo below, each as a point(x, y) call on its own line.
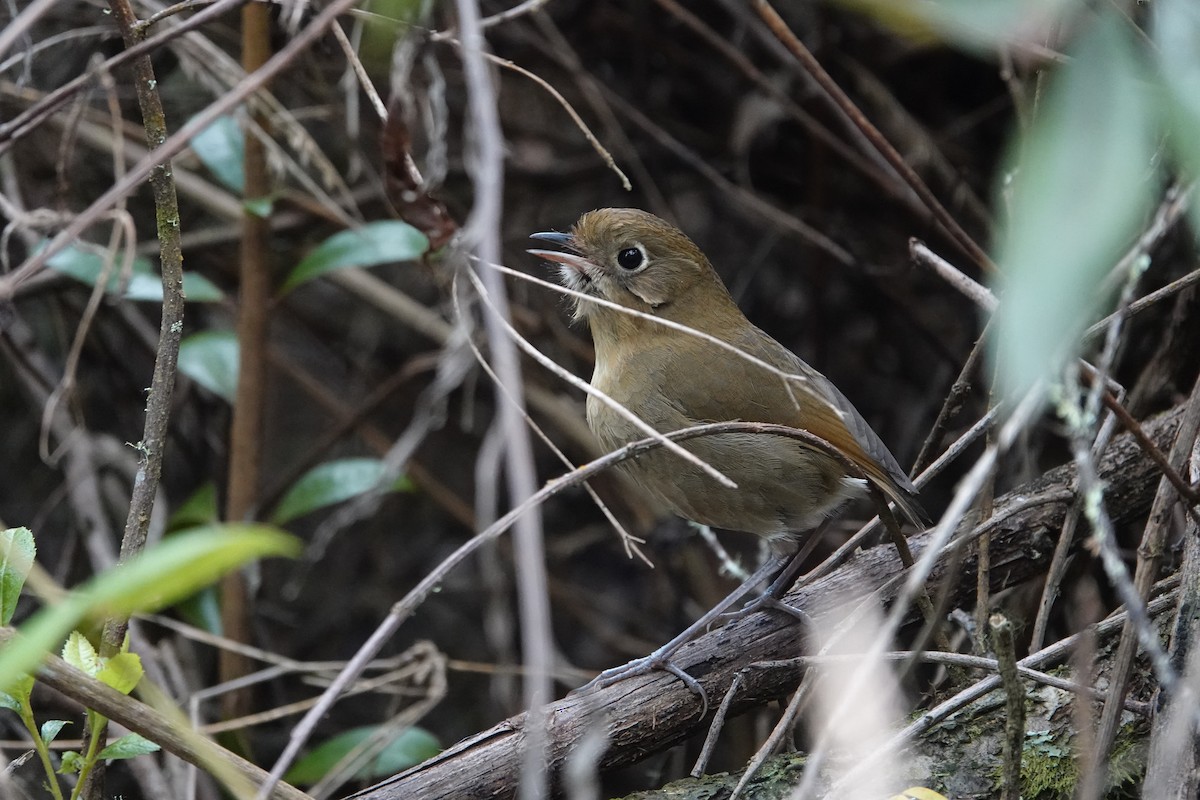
point(976, 292)
point(961, 660)
point(877, 139)
point(1014, 693)
point(162, 383)
point(507, 15)
point(482, 233)
point(714, 728)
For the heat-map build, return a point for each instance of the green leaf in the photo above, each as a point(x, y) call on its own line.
point(1082, 186)
point(211, 360)
point(81, 654)
point(222, 148)
point(333, 482)
point(410, 747)
point(374, 243)
point(173, 569)
point(51, 728)
point(17, 552)
point(180, 565)
point(72, 762)
point(145, 284)
point(122, 672)
point(199, 509)
point(128, 746)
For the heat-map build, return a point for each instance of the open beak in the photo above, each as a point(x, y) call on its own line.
point(572, 260)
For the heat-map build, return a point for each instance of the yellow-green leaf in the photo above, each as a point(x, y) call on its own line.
point(17, 552)
point(122, 672)
point(173, 569)
point(81, 654)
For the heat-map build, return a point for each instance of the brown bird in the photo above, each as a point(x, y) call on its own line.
point(672, 379)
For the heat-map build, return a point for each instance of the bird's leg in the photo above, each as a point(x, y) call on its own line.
point(772, 598)
point(661, 658)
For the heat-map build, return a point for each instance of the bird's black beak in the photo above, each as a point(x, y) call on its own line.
point(571, 258)
point(554, 237)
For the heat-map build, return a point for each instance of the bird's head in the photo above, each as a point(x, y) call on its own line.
point(629, 257)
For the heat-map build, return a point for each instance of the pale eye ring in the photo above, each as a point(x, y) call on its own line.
point(631, 258)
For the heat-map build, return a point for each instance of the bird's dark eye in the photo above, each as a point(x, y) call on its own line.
point(631, 258)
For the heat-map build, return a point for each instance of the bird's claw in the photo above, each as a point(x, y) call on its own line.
point(644, 666)
point(767, 602)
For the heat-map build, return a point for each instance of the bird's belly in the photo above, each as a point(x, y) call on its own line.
point(783, 488)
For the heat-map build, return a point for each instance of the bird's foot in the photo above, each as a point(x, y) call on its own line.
point(658, 660)
point(767, 602)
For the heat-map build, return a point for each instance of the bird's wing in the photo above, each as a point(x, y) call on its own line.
point(731, 387)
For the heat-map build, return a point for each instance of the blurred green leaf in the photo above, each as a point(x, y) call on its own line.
point(410, 747)
point(17, 552)
point(210, 359)
point(1082, 184)
point(201, 609)
point(333, 482)
point(173, 569)
point(1176, 32)
point(222, 148)
point(16, 692)
point(51, 728)
point(145, 284)
point(128, 746)
point(200, 508)
point(374, 243)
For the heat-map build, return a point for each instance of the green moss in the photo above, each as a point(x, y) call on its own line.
point(1049, 770)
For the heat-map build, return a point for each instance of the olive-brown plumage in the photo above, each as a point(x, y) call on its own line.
point(672, 380)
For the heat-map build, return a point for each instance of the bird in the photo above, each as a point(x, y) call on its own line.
point(673, 379)
point(674, 350)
